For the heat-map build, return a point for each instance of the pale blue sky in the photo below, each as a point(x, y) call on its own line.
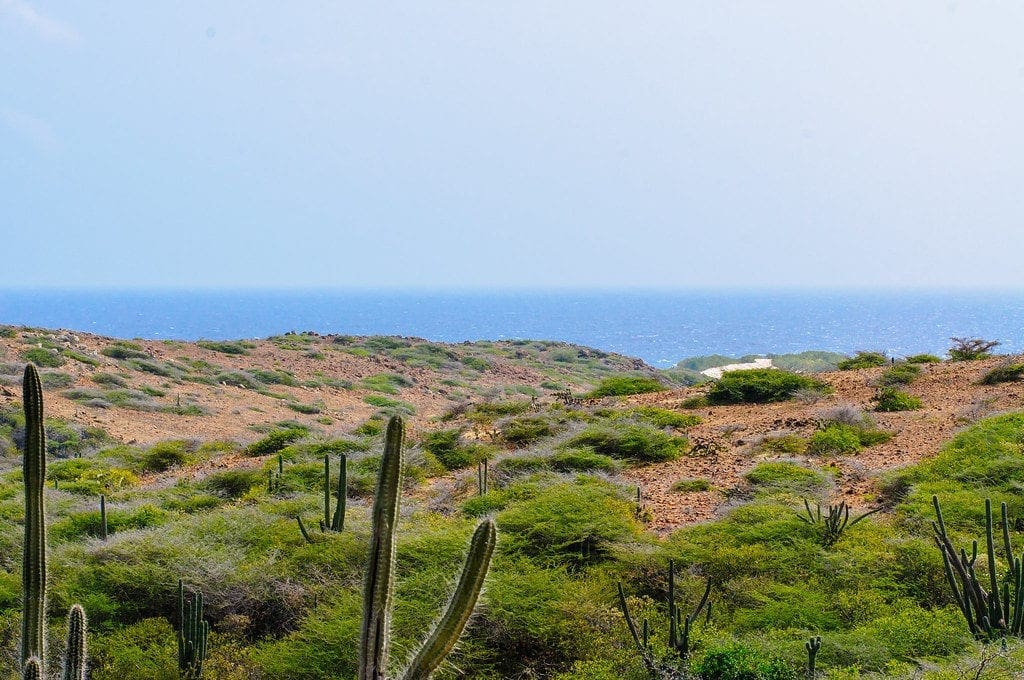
point(522, 144)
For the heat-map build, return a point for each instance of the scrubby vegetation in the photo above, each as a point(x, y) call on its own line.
point(892, 399)
point(622, 385)
point(760, 385)
point(863, 360)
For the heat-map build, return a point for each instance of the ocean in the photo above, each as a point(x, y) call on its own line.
point(660, 327)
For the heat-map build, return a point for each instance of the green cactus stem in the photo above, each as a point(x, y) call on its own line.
point(338, 520)
point(74, 660)
point(375, 632)
point(193, 633)
point(377, 594)
point(33, 577)
point(449, 627)
point(812, 646)
point(302, 530)
point(103, 517)
point(33, 669)
point(834, 522)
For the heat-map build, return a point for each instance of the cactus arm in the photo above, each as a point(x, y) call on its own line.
point(74, 660)
point(302, 529)
point(449, 627)
point(103, 517)
point(377, 593)
point(994, 606)
point(672, 618)
point(33, 577)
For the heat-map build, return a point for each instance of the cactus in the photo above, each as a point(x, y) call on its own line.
point(74, 659)
point(481, 477)
point(33, 565)
point(332, 521)
point(679, 627)
point(812, 646)
point(375, 632)
point(834, 522)
point(103, 517)
point(993, 613)
point(33, 575)
point(33, 669)
point(193, 632)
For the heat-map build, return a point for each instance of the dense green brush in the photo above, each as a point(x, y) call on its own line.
point(74, 657)
point(375, 633)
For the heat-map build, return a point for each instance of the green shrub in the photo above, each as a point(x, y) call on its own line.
point(784, 443)
point(691, 486)
point(108, 379)
point(56, 380)
point(891, 399)
point(581, 460)
point(163, 456)
point(276, 440)
point(80, 524)
point(447, 447)
point(395, 404)
point(124, 350)
point(699, 401)
point(662, 417)
point(738, 662)
point(971, 349)
point(274, 377)
point(42, 357)
point(778, 476)
point(388, 383)
point(899, 374)
point(307, 409)
point(225, 347)
point(557, 522)
point(1009, 372)
point(639, 443)
point(835, 439)
point(759, 385)
point(233, 483)
point(622, 385)
point(525, 430)
point(923, 359)
point(863, 360)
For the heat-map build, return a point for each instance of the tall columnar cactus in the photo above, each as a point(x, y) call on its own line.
point(33, 575)
point(996, 612)
point(33, 565)
point(103, 517)
point(679, 628)
point(74, 660)
point(193, 633)
point(375, 633)
point(481, 477)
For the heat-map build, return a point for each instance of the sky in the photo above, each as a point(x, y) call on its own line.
point(511, 144)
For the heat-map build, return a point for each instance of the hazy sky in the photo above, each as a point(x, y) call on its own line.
point(455, 144)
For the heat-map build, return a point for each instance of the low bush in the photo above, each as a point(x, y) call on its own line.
point(276, 440)
point(739, 662)
point(108, 379)
point(1007, 372)
point(449, 449)
point(233, 483)
point(691, 486)
point(124, 350)
point(863, 360)
point(42, 357)
point(622, 385)
point(759, 385)
point(890, 399)
point(778, 476)
point(581, 460)
point(525, 430)
point(899, 374)
point(662, 417)
point(225, 346)
point(306, 409)
point(783, 443)
point(923, 359)
point(639, 443)
point(699, 401)
point(56, 380)
point(834, 440)
point(163, 456)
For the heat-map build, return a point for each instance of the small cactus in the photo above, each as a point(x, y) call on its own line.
point(33, 669)
point(74, 659)
point(834, 522)
point(103, 517)
point(812, 646)
point(193, 633)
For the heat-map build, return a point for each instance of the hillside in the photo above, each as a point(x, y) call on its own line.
point(206, 453)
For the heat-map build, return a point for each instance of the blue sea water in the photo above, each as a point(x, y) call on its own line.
point(660, 327)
